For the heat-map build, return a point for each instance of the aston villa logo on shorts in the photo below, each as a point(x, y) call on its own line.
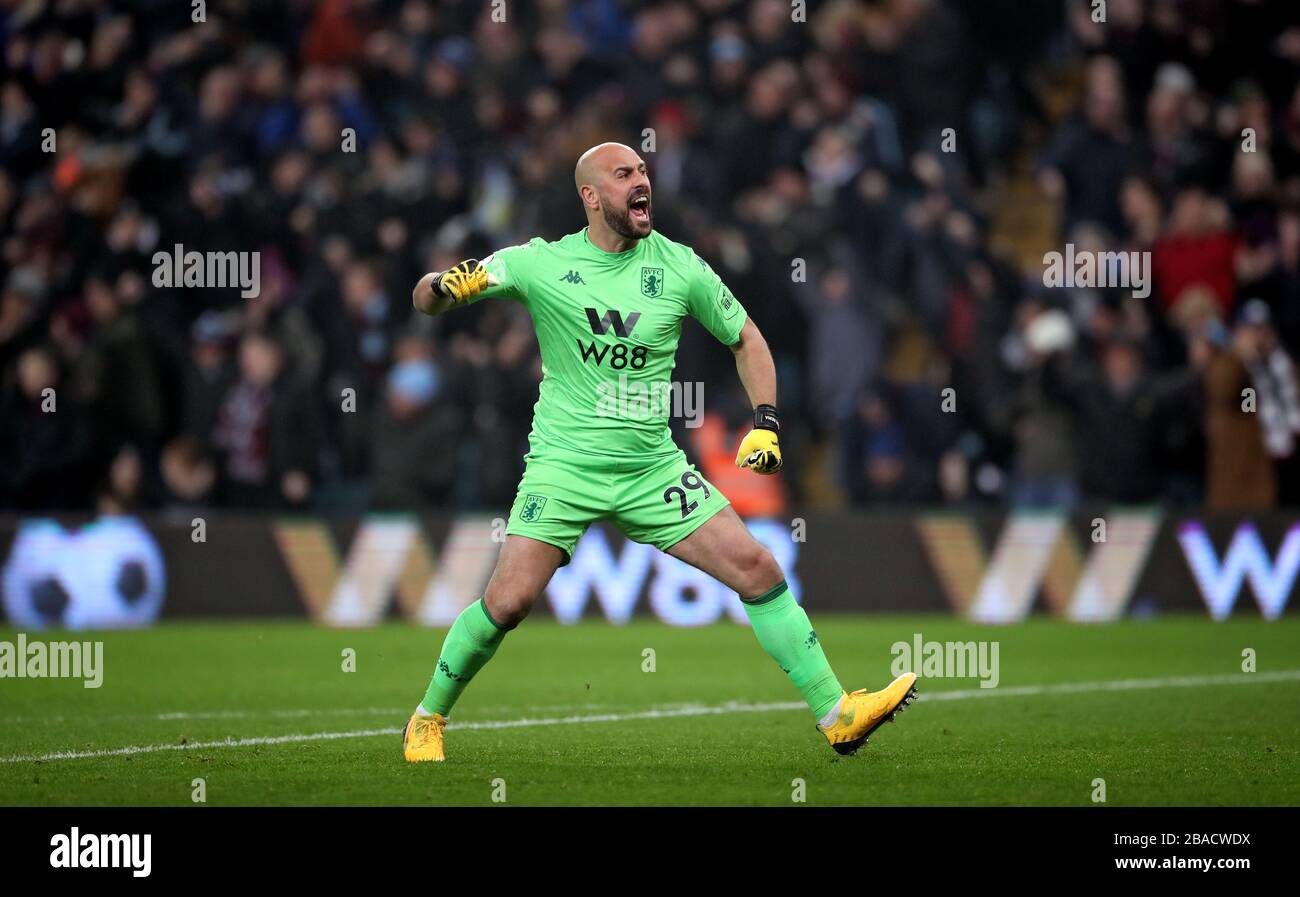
point(652, 282)
point(532, 509)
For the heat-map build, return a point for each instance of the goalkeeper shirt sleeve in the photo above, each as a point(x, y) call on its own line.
point(713, 304)
point(509, 271)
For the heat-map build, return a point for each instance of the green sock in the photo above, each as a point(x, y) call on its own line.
point(783, 630)
point(470, 643)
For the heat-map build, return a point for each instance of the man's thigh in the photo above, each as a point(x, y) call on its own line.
point(725, 549)
point(522, 571)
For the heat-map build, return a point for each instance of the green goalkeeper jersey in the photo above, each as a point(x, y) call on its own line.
point(608, 325)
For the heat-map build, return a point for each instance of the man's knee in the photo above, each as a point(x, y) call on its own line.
point(757, 570)
point(523, 569)
point(508, 603)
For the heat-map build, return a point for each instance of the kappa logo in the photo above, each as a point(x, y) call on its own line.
point(652, 282)
point(612, 319)
point(573, 277)
point(532, 509)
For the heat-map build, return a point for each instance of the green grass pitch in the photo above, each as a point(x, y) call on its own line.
point(1196, 731)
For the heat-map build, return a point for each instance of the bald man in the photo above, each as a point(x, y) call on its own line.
point(608, 303)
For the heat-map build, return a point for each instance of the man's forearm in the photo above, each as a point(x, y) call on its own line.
point(755, 366)
point(760, 451)
point(426, 300)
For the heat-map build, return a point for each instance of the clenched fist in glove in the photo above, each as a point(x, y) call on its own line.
point(760, 451)
point(461, 282)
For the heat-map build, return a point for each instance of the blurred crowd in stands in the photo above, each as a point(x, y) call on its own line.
point(879, 148)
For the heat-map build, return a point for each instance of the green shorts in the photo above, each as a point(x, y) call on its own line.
point(659, 502)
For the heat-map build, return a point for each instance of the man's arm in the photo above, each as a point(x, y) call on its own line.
point(440, 290)
point(714, 306)
point(755, 365)
point(426, 299)
point(760, 451)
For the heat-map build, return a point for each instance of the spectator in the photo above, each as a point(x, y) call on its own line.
point(1046, 467)
point(884, 460)
point(1197, 249)
point(124, 490)
point(266, 431)
point(208, 373)
point(44, 438)
point(1087, 161)
point(416, 440)
point(1241, 475)
point(188, 475)
point(115, 373)
point(1273, 375)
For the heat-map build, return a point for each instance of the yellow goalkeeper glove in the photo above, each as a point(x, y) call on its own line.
point(760, 451)
point(461, 282)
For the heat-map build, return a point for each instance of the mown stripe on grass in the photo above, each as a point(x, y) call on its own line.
point(1060, 688)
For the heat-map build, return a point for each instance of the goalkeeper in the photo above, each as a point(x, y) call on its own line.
point(607, 304)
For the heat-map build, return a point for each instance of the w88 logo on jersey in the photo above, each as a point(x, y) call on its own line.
point(618, 355)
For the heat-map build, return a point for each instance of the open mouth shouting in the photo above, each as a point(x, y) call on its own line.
point(638, 208)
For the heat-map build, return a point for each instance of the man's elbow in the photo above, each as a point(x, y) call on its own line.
point(749, 337)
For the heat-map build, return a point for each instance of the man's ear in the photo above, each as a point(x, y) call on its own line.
point(590, 198)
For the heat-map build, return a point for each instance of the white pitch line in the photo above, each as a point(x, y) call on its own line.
point(188, 715)
point(327, 711)
point(703, 710)
point(1070, 688)
point(678, 712)
point(278, 714)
